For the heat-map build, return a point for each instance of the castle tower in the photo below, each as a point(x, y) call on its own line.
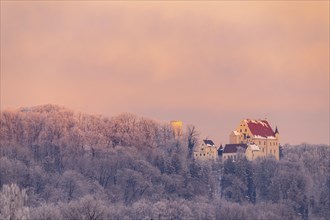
point(177, 128)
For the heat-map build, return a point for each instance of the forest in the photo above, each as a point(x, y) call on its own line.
point(59, 164)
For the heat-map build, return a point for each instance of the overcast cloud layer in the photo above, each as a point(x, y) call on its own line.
point(208, 64)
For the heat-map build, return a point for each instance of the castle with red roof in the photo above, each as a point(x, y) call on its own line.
point(258, 134)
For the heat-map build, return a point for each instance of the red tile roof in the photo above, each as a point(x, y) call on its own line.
point(260, 128)
point(232, 148)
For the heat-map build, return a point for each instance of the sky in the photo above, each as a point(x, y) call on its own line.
point(209, 64)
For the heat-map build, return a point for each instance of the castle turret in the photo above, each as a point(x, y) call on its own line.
point(277, 134)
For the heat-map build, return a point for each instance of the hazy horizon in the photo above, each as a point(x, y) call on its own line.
point(207, 64)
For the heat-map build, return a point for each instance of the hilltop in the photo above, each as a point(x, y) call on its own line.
point(58, 125)
point(74, 165)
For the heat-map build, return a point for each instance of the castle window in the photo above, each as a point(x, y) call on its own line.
point(200, 154)
point(240, 130)
point(264, 142)
point(245, 130)
point(263, 149)
point(259, 142)
point(270, 151)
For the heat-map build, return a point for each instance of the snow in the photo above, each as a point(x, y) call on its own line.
point(264, 124)
point(262, 137)
point(236, 133)
point(254, 147)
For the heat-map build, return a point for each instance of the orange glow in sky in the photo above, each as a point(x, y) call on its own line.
point(210, 64)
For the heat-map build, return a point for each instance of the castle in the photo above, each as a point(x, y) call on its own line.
point(252, 138)
point(206, 151)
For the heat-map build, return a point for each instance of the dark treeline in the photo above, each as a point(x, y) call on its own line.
point(56, 164)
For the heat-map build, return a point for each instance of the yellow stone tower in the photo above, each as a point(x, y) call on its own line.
point(177, 128)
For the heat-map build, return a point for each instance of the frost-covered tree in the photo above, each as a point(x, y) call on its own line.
point(88, 208)
point(13, 203)
point(46, 212)
point(142, 209)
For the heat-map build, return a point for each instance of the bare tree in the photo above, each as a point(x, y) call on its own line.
point(192, 138)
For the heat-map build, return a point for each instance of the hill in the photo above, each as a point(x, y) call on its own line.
point(72, 165)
